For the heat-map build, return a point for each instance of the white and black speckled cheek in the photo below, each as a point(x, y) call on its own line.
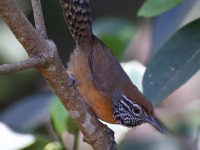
point(124, 115)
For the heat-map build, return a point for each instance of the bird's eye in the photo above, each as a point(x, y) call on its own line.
point(136, 110)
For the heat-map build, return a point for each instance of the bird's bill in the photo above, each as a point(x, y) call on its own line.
point(154, 123)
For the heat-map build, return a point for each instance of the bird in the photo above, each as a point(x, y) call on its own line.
point(100, 79)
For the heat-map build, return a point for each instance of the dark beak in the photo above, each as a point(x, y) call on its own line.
point(154, 123)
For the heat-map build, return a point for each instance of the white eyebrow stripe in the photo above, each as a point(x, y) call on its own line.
point(126, 98)
point(124, 103)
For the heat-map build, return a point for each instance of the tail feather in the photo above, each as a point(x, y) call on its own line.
point(77, 16)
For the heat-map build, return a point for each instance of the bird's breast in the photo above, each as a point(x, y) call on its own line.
point(98, 102)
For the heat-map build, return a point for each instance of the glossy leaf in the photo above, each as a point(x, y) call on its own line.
point(176, 61)
point(155, 7)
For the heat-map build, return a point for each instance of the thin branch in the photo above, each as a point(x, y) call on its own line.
point(95, 133)
point(22, 65)
point(38, 18)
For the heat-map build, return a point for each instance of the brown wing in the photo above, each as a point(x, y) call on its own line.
point(106, 72)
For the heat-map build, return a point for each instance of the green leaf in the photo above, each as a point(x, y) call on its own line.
point(54, 146)
point(113, 43)
point(58, 117)
point(61, 119)
point(155, 7)
point(174, 63)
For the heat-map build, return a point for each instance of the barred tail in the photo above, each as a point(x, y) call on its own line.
point(77, 16)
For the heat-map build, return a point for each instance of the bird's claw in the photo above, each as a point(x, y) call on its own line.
point(72, 81)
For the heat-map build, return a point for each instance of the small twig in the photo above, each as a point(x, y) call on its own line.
point(38, 18)
point(22, 65)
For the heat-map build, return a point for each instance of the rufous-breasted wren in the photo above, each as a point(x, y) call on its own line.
point(101, 80)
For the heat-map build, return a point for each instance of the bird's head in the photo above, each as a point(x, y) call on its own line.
point(132, 113)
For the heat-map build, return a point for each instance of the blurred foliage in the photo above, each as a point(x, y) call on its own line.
point(180, 59)
point(150, 145)
point(39, 144)
point(62, 122)
point(11, 51)
point(11, 82)
point(152, 8)
point(54, 146)
point(116, 33)
point(59, 117)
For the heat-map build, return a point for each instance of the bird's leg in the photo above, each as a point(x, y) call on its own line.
point(72, 81)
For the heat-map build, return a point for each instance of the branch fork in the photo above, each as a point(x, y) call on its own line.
point(44, 57)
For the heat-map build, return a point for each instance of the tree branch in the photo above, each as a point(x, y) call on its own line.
point(38, 18)
point(22, 65)
point(95, 133)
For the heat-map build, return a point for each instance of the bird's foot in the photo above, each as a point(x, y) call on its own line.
point(72, 81)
